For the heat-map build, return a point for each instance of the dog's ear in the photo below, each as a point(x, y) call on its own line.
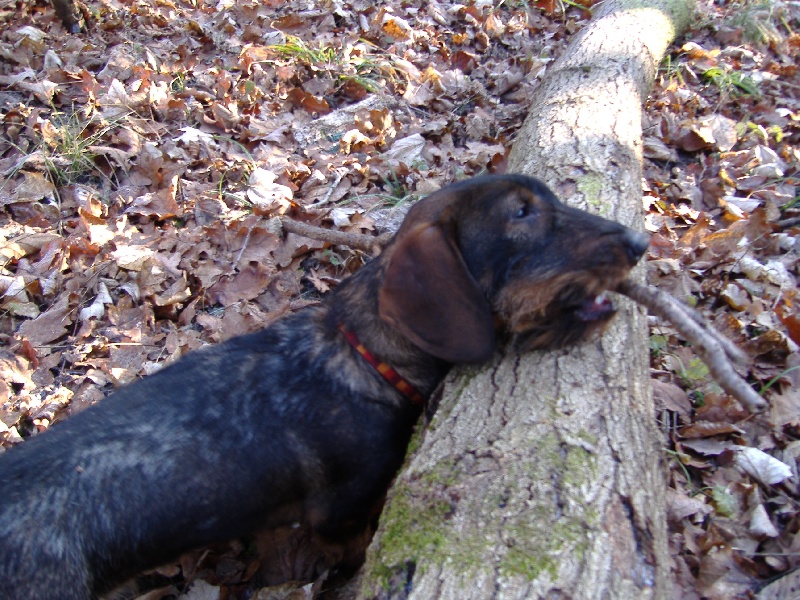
point(429, 296)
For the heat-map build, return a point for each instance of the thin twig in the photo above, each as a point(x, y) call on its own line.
point(790, 222)
point(707, 344)
point(732, 351)
point(367, 243)
point(331, 189)
point(244, 246)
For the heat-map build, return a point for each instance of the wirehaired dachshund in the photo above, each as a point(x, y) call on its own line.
point(307, 420)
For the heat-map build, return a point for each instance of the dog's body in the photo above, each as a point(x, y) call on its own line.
point(185, 458)
point(293, 423)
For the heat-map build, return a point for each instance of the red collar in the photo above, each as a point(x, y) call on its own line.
point(384, 370)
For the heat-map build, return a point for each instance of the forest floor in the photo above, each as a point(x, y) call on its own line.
point(144, 161)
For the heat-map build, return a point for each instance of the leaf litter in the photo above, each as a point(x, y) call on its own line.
point(145, 162)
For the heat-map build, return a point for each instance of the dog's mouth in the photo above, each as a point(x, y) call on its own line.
point(589, 305)
point(596, 308)
point(575, 314)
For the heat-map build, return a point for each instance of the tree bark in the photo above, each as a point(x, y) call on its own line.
point(540, 474)
point(70, 15)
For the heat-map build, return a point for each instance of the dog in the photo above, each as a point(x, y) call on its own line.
point(307, 420)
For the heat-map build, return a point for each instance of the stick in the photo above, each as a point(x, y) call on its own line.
point(359, 241)
point(731, 350)
point(326, 199)
point(709, 344)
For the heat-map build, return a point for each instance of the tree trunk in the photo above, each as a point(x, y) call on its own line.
point(540, 475)
point(67, 11)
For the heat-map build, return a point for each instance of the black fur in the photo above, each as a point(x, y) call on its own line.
point(290, 423)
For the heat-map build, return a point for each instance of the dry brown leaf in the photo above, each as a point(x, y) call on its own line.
point(160, 204)
point(132, 257)
point(785, 588)
point(317, 282)
point(251, 281)
point(13, 370)
point(680, 506)
point(405, 150)
point(313, 104)
point(668, 396)
point(51, 325)
point(25, 245)
point(354, 141)
point(177, 293)
point(494, 26)
point(267, 195)
point(703, 429)
point(761, 466)
point(34, 186)
point(396, 27)
point(707, 447)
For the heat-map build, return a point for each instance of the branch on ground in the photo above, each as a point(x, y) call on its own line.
point(714, 350)
point(358, 241)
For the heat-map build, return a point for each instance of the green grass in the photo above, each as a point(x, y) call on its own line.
point(731, 82)
point(761, 21)
point(360, 64)
point(65, 142)
point(296, 49)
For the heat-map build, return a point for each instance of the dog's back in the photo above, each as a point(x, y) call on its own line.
point(197, 453)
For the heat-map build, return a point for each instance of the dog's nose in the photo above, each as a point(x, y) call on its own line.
point(635, 245)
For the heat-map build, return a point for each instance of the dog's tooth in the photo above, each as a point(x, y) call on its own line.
point(601, 298)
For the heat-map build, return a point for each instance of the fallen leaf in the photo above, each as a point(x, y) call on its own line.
point(405, 150)
point(396, 27)
point(132, 257)
point(267, 195)
point(24, 245)
point(761, 466)
point(668, 396)
point(50, 325)
point(711, 131)
point(760, 524)
point(707, 447)
point(97, 307)
point(35, 186)
point(680, 506)
point(160, 204)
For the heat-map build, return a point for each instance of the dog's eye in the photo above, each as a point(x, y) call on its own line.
point(523, 211)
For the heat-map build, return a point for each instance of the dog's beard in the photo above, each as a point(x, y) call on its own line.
point(568, 310)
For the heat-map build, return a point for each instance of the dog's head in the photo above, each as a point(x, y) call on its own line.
point(502, 247)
